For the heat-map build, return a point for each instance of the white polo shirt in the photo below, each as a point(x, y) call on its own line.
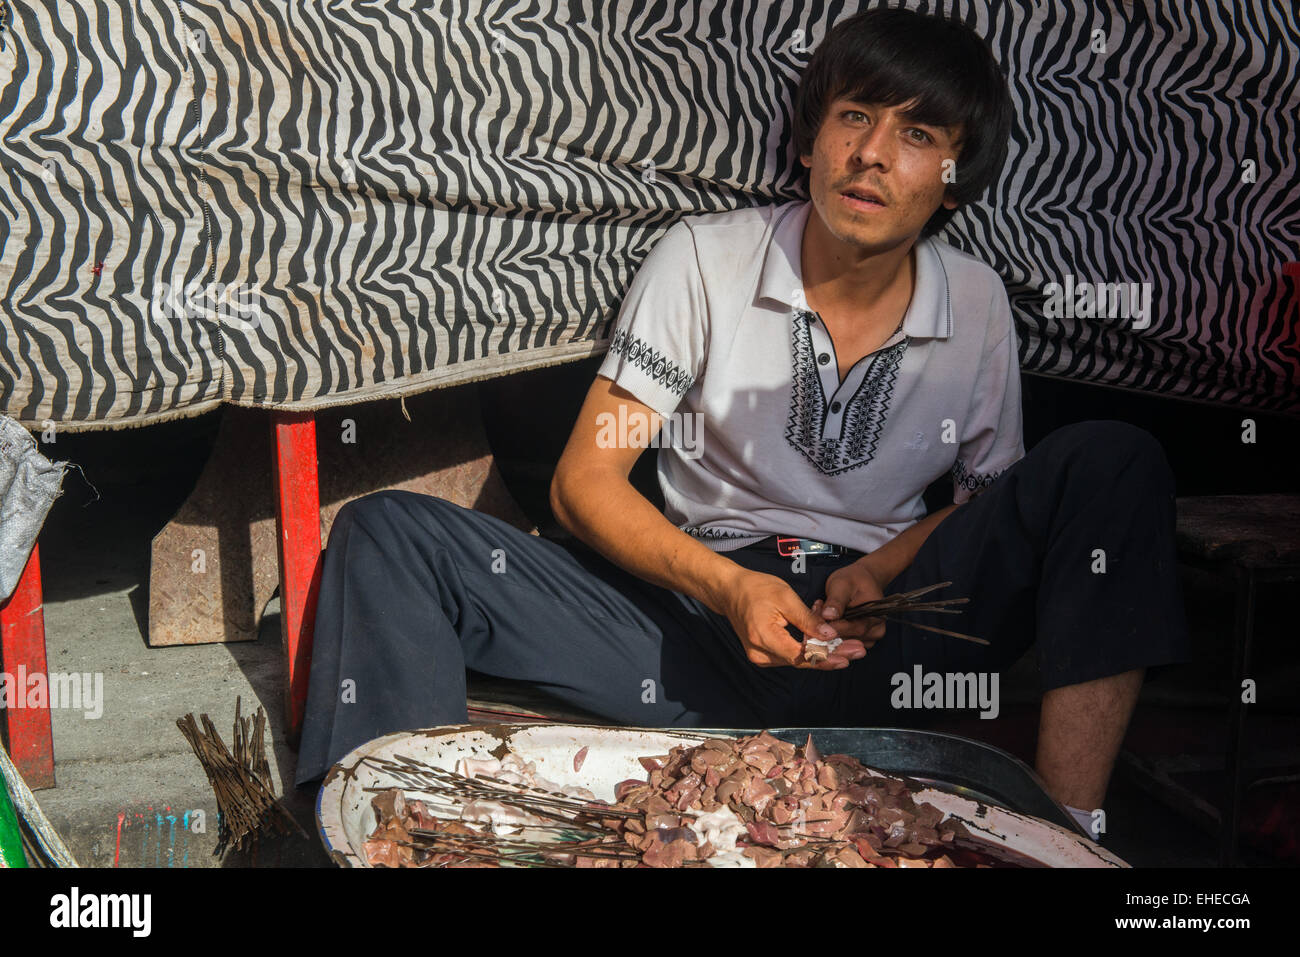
point(714, 326)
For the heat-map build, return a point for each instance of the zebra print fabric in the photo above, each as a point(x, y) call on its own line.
point(302, 204)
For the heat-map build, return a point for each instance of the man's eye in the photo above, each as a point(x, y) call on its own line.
point(924, 136)
point(855, 115)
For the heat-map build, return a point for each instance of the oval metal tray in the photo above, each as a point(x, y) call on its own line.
point(344, 816)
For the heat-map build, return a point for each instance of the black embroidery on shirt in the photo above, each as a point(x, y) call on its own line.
point(652, 362)
point(707, 531)
point(973, 482)
point(863, 418)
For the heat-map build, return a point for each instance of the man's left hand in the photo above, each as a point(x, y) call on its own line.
point(846, 587)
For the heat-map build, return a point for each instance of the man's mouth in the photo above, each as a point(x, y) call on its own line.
point(864, 196)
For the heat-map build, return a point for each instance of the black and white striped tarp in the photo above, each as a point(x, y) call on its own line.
point(296, 203)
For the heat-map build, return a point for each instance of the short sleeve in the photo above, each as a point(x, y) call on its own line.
point(992, 437)
point(657, 350)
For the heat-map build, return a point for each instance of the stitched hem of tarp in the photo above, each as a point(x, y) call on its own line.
point(476, 371)
point(129, 422)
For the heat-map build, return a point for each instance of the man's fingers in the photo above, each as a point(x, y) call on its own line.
point(860, 628)
point(770, 656)
point(837, 599)
point(852, 649)
point(780, 648)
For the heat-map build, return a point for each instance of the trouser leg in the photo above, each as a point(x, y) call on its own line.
point(415, 589)
point(1072, 548)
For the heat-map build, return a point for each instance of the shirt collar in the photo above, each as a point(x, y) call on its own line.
point(929, 314)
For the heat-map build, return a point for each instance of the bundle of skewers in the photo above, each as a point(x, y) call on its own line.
point(467, 820)
point(241, 780)
point(890, 608)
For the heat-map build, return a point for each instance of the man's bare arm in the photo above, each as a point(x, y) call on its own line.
point(887, 561)
point(593, 499)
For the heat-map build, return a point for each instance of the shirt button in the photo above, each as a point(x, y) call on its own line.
point(823, 358)
point(835, 406)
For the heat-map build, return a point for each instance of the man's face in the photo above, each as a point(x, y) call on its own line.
point(865, 147)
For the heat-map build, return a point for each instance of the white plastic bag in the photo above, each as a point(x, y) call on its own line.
point(29, 484)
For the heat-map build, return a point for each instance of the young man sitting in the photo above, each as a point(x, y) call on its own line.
point(837, 359)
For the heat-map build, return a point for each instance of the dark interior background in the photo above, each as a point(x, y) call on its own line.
point(528, 417)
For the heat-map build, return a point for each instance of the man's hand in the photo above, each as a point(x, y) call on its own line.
point(761, 606)
point(848, 586)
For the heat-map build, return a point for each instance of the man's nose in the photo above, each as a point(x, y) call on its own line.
point(875, 147)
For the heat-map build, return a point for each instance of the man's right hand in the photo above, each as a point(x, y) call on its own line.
point(761, 606)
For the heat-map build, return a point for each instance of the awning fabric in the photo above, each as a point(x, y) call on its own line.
point(300, 204)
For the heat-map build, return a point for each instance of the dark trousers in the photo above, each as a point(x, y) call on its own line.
point(416, 589)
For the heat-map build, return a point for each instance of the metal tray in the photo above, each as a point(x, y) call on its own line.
point(991, 792)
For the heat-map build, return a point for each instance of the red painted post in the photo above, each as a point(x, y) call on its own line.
point(22, 654)
point(297, 520)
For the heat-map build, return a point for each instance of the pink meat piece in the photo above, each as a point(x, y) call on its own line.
point(624, 789)
point(925, 835)
point(421, 816)
point(688, 798)
point(665, 855)
point(763, 856)
point(927, 815)
point(821, 828)
point(655, 804)
point(758, 794)
point(729, 791)
point(856, 822)
point(388, 805)
point(762, 759)
point(849, 857)
point(800, 858)
point(761, 832)
point(667, 835)
point(381, 853)
point(691, 781)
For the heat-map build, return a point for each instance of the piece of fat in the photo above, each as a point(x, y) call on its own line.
point(829, 645)
point(721, 828)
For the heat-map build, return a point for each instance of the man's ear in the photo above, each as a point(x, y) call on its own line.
point(949, 202)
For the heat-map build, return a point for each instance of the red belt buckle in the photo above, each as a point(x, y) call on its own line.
point(788, 546)
point(782, 543)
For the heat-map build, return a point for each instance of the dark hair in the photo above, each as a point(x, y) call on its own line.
point(895, 56)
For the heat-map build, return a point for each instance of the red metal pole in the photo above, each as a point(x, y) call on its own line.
point(22, 655)
point(297, 498)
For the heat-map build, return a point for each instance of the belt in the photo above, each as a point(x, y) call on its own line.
point(787, 547)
